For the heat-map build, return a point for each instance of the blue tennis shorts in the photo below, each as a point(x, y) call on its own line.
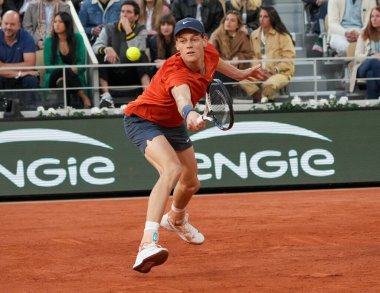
point(140, 130)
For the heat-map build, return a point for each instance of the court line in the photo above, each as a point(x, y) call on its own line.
point(259, 193)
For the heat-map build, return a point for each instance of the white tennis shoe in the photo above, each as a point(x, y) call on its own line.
point(185, 230)
point(150, 255)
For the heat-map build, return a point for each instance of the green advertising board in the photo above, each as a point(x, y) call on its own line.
point(92, 155)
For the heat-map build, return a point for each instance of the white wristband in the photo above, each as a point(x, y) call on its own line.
point(18, 75)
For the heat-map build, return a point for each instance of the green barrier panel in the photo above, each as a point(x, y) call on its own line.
point(72, 156)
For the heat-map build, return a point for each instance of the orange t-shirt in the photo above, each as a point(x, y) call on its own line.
point(157, 104)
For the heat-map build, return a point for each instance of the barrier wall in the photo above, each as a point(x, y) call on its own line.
point(92, 155)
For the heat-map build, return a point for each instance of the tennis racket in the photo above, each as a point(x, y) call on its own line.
point(219, 109)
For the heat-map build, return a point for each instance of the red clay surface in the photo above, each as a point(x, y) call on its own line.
point(301, 241)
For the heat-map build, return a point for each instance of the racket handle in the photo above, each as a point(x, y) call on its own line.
point(200, 119)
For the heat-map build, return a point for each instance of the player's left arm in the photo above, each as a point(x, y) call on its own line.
point(239, 74)
point(182, 96)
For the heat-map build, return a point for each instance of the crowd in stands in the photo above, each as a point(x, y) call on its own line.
point(110, 47)
point(17, 49)
point(39, 18)
point(316, 11)
point(249, 11)
point(232, 43)
point(66, 47)
point(162, 45)
point(269, 42)
point(368, 45)
point(241, 30)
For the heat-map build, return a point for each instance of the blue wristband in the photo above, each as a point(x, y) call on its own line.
point(186, 110)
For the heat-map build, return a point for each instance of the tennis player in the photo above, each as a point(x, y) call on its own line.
point(154, 122)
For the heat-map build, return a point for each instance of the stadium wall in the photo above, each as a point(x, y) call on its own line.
point(76, 156)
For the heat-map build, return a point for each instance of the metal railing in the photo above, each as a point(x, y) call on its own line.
point(319, 70)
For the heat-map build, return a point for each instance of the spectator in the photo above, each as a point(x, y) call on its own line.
point(151, 11)
point(15, 5)
point(17, 49)
point(94, 14)
point(162, 45)
point(346, 18)
point(249, 11)
point(209, 12)
point(64, 47)
point(39, 17)
point(232, 43)
point(77, 4)
point(111, 47)
point(271, 41)
point(2, 7)
point(317, 11)
point(368, 45)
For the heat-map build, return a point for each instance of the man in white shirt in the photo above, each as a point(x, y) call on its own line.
point(346, 18)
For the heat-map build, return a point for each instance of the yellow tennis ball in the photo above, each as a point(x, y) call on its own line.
point(133, 54)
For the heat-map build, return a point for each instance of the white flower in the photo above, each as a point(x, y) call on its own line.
point(69, 110)
point(51, 111)
point(122, 107)
point(95, 110)
point(104, 110)
point(332, 97)
point(323, 102)
point(296, 101)
point(343, 100)
point(264, 100)
point(40, 109)
point(313, 103)
point(73, 111)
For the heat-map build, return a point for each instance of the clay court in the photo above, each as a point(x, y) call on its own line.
point(293, 241)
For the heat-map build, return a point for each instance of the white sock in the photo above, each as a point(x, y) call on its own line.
point(151, 231)
point(149, 225)
point(174, 209)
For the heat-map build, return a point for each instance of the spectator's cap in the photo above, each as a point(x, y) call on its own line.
point(189, 23)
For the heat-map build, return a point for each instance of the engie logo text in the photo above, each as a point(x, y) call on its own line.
point(271, 160)
point(54, 165)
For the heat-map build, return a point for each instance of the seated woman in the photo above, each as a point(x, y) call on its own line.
point(231, 42)
point(249, 11)
point(368, 45)
point(64, 47)
point(150, 14)
point(270, 43)
point(162, 45)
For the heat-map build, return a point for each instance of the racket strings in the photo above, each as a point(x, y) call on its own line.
point(219, 107)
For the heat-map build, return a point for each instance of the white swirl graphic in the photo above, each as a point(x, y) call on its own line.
point(43, 134)
point(258, 127)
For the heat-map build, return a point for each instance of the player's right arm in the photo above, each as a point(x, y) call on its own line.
point(182, 96)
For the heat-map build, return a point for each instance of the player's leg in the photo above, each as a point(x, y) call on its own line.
point(162, 157)
point(149, 138)
point(188, 183)
point(177, 219)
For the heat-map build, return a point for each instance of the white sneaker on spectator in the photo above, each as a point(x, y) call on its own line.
point(184, 229)
point(106, 101)
point(150, 255)
point(318, 46)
